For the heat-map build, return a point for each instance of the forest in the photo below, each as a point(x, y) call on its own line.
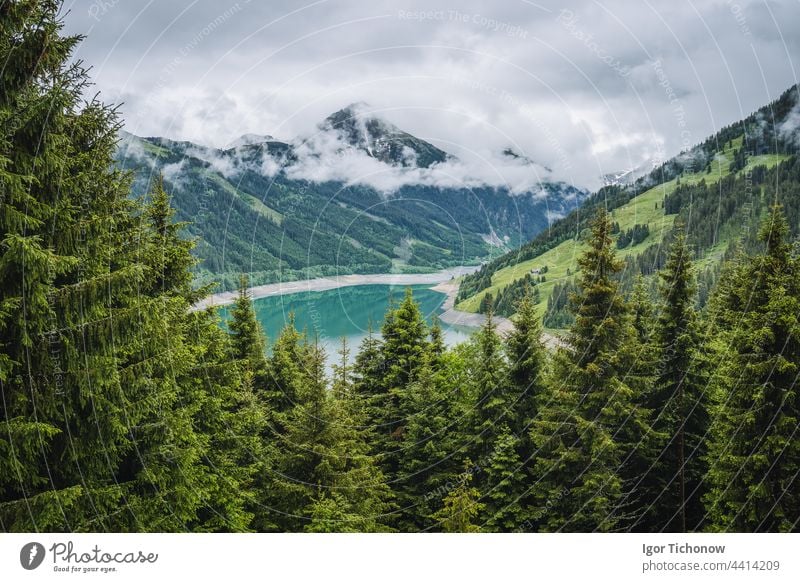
point(126, 410)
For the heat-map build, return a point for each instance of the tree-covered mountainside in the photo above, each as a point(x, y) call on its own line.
point(124, 408)
point(261, 208)
point(718, 189)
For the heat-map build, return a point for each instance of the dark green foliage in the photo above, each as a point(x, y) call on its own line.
point(247, 339)
point(753, 451)
point(633, 236)
point(286, 369)
point(588, 426)
point(403, 353)
point(739, 160)
point(86, 305)
point(679, 399)
point(461, 507)
point(489, 379)
point(558, 315)
point(505, 304)
point(506, 485)
point(526, 367)
point(487, 304)
point(328, 481)
point(430, 456)
point(121, 407)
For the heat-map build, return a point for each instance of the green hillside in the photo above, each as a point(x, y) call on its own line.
point(725, 167)
point(278, 228)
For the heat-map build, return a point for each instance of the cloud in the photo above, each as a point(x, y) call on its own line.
point(228, 166)
point(174, 172)
point(578, 95)
point(328, 156)
point(789, 130)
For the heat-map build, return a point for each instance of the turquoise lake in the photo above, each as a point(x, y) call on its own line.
point(346, 312)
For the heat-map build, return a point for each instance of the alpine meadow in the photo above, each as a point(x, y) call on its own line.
point(601, 352)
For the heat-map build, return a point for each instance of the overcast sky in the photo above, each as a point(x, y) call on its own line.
point(584, 87)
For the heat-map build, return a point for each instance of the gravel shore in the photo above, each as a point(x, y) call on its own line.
point(327, 283)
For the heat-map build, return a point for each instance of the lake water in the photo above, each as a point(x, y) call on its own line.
point(346, 312)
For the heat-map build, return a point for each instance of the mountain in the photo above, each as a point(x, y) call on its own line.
point(357, 127)
point(719, 189)
point(628, 176)
point(357, 196)
point(249, 139)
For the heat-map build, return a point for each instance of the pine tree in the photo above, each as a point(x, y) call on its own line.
point(527, 358)
point(587, 421)
point(253, 423)
point(506, 485)
point(403, 352)
point(286, 370)
point(495, 402)
point(461, 507)
point(326, 471)
point(368, 372)
point(232, 422)
point(639, 357)
point(641, 307)
point(342, 373)
point(247, 339)
point(207, 424)
point(754, 450)
point(92, 361)
point(430, 456)
point(404, 343)
point(678, 397)
point(437, 344)
point(170, 254)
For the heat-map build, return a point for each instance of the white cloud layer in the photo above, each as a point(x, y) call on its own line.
point(586, 88)
point(326, 157)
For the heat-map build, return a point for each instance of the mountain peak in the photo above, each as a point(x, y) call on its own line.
point(512, 154)
point(360, 128)
point(248, 139)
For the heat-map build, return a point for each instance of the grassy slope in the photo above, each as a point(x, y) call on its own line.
point(640, 210)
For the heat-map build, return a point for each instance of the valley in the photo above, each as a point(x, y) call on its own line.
point(359, 196)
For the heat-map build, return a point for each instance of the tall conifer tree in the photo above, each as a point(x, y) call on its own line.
point(587, 418)
point(754, 446)
point(678, 398)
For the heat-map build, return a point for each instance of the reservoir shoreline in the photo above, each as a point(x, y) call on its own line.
point(444, 281)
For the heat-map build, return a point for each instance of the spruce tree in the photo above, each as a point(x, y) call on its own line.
point(169, 255)
point(639, 357)
point(460, 508)
point(504, 398)
point(286, 367)
point(342, 372)
point(212, 409)
point(403, 352)
point(436, 345)
point(526, 360)
point(254, 421)
point(430, 457)
point(754, 450)
point(368, 375)
point(247, 339)
point(328, 480)
point(494, 400)
point(93, 349)
point(506, 485)
point(587, 420)
point(678, 398)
